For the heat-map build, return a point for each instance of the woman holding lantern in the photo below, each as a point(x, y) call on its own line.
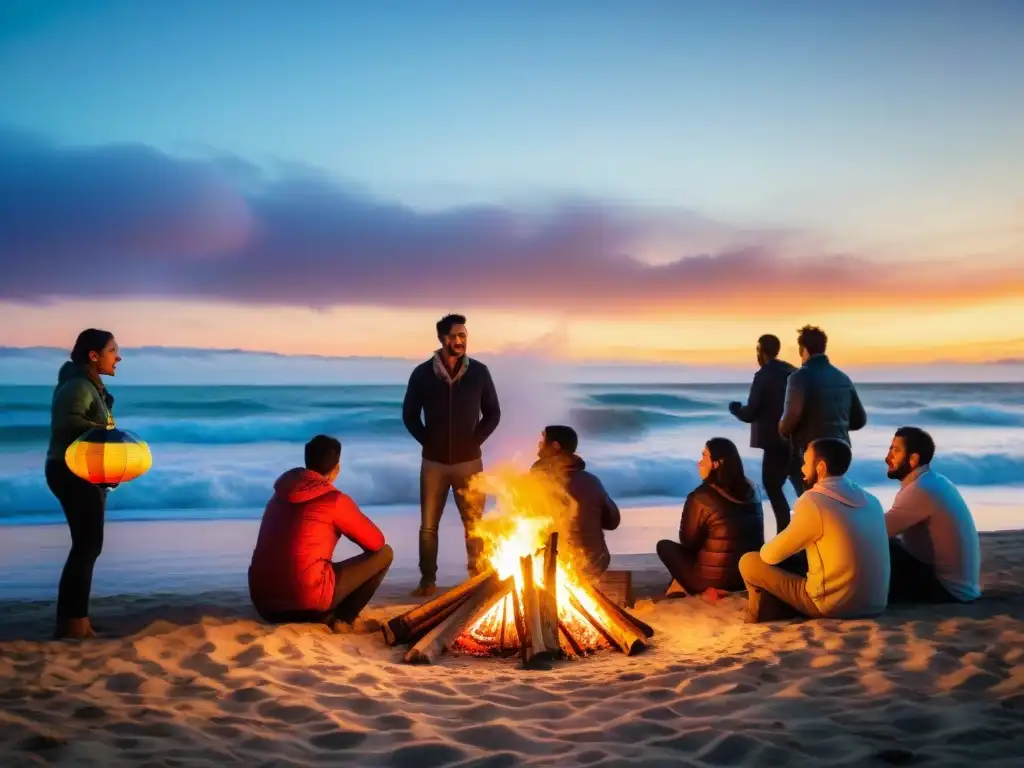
point(80, 403)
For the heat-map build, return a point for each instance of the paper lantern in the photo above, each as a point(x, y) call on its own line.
point(107, 456)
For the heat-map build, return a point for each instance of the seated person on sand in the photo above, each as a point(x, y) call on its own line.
point(595, 510)
point(292, 578)
point(842, 529)
point(933, 544)
point(722, 520)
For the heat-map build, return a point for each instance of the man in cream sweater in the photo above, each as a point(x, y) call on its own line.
point(935, 552)
point(842, 529)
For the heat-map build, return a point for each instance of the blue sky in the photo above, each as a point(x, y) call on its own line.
point(776, 155)
point(780, 111)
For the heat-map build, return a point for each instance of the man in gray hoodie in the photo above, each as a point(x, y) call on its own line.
point(595, 511)
point(842, 529)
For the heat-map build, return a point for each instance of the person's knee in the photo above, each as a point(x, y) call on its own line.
point(663, 548)
point(749, 565)
point(385, 555)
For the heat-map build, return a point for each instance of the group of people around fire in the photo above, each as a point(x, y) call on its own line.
point(840, 554)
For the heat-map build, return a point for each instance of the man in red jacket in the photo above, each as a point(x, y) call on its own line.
point(292, 578)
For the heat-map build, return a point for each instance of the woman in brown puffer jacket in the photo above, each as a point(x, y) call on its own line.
point(722, 520)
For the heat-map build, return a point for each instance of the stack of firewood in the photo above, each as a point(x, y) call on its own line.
point(438, 625)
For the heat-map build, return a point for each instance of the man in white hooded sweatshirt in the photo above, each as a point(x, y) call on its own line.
point(842, 529)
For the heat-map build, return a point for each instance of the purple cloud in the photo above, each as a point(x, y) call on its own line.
point(129, 220)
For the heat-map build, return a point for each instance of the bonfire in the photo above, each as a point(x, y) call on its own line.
point(532, 599)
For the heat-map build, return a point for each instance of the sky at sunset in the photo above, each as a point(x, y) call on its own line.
point(640, 182)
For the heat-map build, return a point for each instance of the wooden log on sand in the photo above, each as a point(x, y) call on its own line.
point(614, 627)
point(533, 646)
point(570, 646)
point(440, 638)
point(610, 605)
point(548, 597)
point(402, 629)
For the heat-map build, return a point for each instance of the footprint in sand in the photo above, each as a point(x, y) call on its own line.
point(337, 740)
point(426, 755)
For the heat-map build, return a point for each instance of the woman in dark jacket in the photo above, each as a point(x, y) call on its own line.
point(722, 520)
point(80, 403)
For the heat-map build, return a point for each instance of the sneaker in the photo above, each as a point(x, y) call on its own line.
point(424, 590)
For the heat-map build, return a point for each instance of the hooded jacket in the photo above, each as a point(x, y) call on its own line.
point(842, 528)
point(717, 529)
point(77, 406)
point(595, 510)
point(459, 411)
point(302, 524)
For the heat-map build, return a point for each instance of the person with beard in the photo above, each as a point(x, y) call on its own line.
point(595, 511)
point(933, 544)
point(450, 408)
point(842, 529)
point(722, 520)
point(762, 412)
point(821, 400)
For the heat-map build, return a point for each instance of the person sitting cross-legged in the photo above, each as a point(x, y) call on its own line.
point(842, 529)
point(291, 577)
point(722, 520)
point(933, 544)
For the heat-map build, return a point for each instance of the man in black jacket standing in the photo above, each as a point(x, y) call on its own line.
point(762, 412)
point(460, 410)
point(821, 400)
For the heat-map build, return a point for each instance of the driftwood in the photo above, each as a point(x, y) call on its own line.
point(412, 624)
point(616, 629)
point(437, 640)
point(611, 606)
point(548, 597)
point(534, 648)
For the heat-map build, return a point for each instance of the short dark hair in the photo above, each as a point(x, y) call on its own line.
point(323, 453)
point(836, 454)
point(917, 441)
point(444, 325)
point(770, 344)
point(813, 339)
point(89, 340)
point(565, 436)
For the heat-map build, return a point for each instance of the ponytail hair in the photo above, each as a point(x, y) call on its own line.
point(89, 340)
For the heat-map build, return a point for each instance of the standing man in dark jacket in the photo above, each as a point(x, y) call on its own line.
point(821, 401)
point(595, 511)
point(459, 408)
point(762, 412)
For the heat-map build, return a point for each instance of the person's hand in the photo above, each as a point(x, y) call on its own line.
point(734, 407)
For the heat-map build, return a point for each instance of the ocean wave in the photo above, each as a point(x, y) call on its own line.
point(655, 400)
point(189, 482)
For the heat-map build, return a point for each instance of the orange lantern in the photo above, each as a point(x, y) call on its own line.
point(107, 456)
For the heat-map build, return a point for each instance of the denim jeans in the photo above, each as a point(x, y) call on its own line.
point(436, 480)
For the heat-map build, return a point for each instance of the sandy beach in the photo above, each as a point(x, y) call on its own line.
point(197, 679)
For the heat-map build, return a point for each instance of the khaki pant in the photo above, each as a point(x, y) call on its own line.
point(774, 593)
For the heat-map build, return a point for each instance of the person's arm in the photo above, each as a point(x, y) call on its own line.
point(908, 509)
point(350, 522)
point(794, 407)
point(610, 515)
point(858, 416)
point(72, 404)
point(804, 529)
point(749, 412)
point(692, 531)
point(490, 410)
point(411, 409)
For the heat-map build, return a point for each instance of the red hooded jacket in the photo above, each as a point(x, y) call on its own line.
point(302, 524)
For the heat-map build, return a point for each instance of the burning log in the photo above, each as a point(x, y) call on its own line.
point(479, 602)
point(570, 647)
point(611, 606)
point(548, 598)
point(541, 643)
point(412, 624)
point(618, 631)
